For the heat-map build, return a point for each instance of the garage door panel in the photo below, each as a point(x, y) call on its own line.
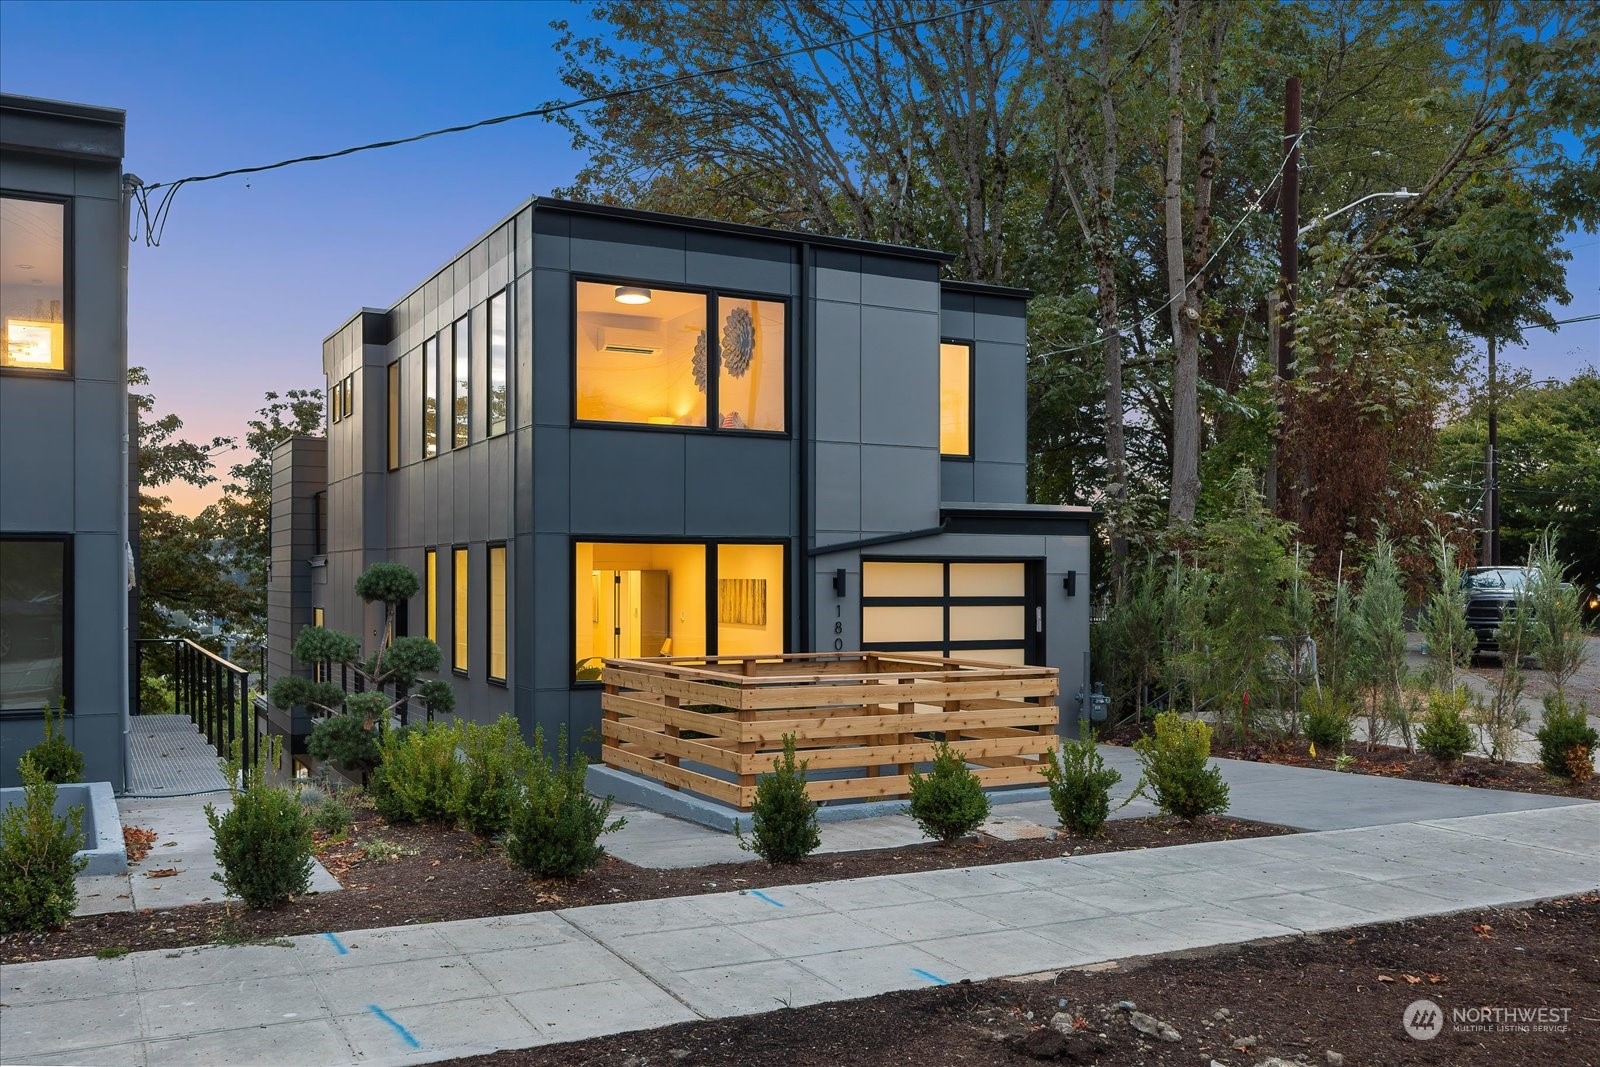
point(988, 622)
point(988, 579)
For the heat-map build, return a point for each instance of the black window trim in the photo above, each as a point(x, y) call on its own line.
point(488, 612)
point(69, 295)
point(422, 427)
point(507, 294)
point(972, 400)
point(69, 659)
point(460, 672)
point(460, 327)
point(394, 440)
point(713, 351)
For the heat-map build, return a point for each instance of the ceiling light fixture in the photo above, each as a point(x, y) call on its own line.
point(632, 294)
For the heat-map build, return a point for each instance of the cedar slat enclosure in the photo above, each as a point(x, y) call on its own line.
point(863, 720)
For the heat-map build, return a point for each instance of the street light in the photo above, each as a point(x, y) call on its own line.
point(1402, 194)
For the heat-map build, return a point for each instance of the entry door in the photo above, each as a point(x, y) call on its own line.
point(964, 609)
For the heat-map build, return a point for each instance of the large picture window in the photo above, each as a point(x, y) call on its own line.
point(636, 600)
point(461, 393)
point(497, 613)
point(33, 284)
point(663, 357)
point(430, 398)
point(461, 658)
point(955, 398)
point(499, 395)
point(35, 622)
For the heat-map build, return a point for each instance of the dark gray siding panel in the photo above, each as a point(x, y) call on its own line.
point(551, 611)
point(733, 262)
point(837, 372)
point(899, 378)
point(625, 249)
point(999, 483)
point(37, 494)
point(552, 340)
point(956, 481)
point(627, 482)
point(551, 478)
point(737, 487)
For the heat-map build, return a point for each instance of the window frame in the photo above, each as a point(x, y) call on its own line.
point(713, 423)
point(460, 610)
point(710, 544)
point(505, 604)
point(461, 378)
point(430, 386)
point(430, 593)
point(507, 312)
point(69, 296)
point(69, 595)
point(335, 407)
point(319, 669)
point(972, 400)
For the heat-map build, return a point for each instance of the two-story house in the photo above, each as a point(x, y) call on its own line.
point(601, 432)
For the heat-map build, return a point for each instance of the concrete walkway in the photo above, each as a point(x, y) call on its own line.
point(416, 994)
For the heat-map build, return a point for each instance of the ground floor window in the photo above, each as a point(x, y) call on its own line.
point(461, 658)
point(634, 599)
point(964, 610)
point(497, 613)
point(35, 622)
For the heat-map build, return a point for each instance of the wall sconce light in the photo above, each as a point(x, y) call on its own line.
point(839, 582)
point(1070, 583)
point(632, 294)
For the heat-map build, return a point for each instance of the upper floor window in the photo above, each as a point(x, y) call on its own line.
point(664, 357)
point(430, 398)
point(461, 391)
point(499, 396)
point(955, 398)
point(33, 284)
point(393, 401)
point(336, 402)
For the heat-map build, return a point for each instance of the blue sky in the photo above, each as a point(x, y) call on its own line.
point(254, 272)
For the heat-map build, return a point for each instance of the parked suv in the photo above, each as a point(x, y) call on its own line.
point(1490, 591)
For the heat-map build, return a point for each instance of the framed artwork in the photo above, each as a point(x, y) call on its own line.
point(742, 601)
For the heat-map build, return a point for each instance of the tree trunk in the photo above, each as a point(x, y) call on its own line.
point(1103, 245)
point(1185, 488)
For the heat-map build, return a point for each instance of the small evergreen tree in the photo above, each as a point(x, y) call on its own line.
point(38, 861)
point(556, 825)
point(495, 761)
point(948, 803)
point(1444, 621)
point(1566, 740)
point(1381, 624)
point(1175, 759)
point(1445, 734)
point(783, 819)
point(1080, 783)
point(1558, 636)
point(54, 757)
point(263, 842)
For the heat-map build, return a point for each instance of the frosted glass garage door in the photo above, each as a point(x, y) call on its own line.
point(962, 610)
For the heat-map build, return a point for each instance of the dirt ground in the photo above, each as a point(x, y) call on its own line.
point(437, 874)
point(1331, 999)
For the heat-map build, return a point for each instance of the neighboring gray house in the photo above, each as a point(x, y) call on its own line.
point(601, 432)
point(64, 494)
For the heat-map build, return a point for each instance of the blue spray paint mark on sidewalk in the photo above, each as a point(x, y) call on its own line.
point(338, 946)
point(405, 1035)
point(930, 976)
point(763, 896)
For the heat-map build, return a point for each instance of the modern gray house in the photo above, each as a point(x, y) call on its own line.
point(601, 432)
point(64, 441)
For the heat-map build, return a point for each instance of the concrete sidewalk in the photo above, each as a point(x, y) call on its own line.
point(416, 994)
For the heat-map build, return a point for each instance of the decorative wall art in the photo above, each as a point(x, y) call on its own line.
point(738, 341)
point(701, 372)
point(742, 601)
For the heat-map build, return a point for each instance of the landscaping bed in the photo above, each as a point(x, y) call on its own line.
point(1297, 999)
point(402, 873)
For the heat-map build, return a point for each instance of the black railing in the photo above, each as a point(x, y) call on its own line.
point(212, 692)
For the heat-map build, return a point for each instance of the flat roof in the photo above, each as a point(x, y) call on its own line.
point(62, 108)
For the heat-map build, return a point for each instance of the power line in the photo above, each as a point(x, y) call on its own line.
point(154, 223)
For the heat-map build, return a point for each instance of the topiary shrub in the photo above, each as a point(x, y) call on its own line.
point(1445, 734)
point(346, 740)
point(54, 757)
point(949, 802)
point(38, 862)
point(1566, 729)
point(783, 822)
point(1080, 783)
point(420, 777)
point(263, 845)
point(1175, 759)
point(495, 761)
point(555, 825)
point(1326, 720)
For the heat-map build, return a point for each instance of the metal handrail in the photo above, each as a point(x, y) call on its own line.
point(212, 692)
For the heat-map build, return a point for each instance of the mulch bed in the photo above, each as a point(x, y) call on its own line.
point(1297, 999)
point(449, 874)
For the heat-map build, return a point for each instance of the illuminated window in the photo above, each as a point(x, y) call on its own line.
point(955, 398)
point(335, 405)
point(430, 401)
point(431, 580)
point(35, 605)
point(394, 415)
point(461, 394)
point(497, 613)
point(458, 616)
point(499, 397)
point(33, 273)
point(319, 669)
point(647, 355)
point(349, 395)
point(749, 599)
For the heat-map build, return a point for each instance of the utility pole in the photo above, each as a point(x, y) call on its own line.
point(1288, 270)
point(1491, 475)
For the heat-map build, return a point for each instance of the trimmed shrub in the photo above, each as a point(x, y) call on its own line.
point(949, 802)
point(555, 825)
point(495, 761)
point(783, 824)
point(54, 757)
point(345, 740)
point(38, 864)
point(1445, 734)
point(330, 814)
point(1175, 758)
point(1080, 783)
point(1566, 729)
point(1327, 721)
point(421, 778)
point(263, 845)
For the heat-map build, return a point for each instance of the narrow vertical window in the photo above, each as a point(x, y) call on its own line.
point(335, 408)
point(497, 613)
point(430, 402)
point(394, 415)
point(319, 669)
point(461, 397)
point(458, 614)
point(432, 606)
point(499, 397)
point(349, 395)
point(955, 399)
point(33, 285)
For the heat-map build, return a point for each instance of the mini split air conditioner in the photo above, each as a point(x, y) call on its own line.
point(629, 342)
